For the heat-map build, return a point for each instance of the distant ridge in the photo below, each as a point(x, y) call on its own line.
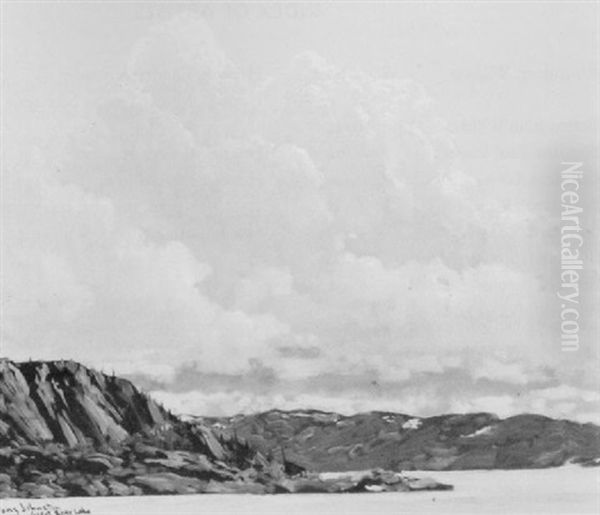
point(327, 441)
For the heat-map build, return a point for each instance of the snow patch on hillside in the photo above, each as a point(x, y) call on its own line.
point(413, 423)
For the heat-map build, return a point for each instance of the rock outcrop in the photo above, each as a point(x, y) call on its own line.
point(65, 402)
point(69, 430)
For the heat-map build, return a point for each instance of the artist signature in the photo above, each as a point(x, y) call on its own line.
point(40, 508)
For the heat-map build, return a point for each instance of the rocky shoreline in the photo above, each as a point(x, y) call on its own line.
point(141, 469)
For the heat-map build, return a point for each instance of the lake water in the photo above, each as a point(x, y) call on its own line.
point(566, 490)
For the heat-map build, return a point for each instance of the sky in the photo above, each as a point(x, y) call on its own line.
point(347, 207)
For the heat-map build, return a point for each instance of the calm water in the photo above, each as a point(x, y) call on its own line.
point(565, 490)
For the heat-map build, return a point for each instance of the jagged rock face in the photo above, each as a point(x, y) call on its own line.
point(66, 430)
point(331, 442)
point(65, 402)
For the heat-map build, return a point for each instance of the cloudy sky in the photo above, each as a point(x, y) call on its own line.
point(345, 207)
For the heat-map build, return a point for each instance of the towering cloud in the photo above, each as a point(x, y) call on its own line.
point(308, 238)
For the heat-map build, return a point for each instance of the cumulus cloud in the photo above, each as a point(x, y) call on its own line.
point(307, 239)
point(80, 283)
point(182, 69)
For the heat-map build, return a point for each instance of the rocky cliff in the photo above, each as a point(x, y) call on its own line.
point(69, 430)
point(331, 442)
point(65, 402)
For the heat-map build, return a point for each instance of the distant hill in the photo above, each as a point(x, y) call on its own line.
point(324, 441)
